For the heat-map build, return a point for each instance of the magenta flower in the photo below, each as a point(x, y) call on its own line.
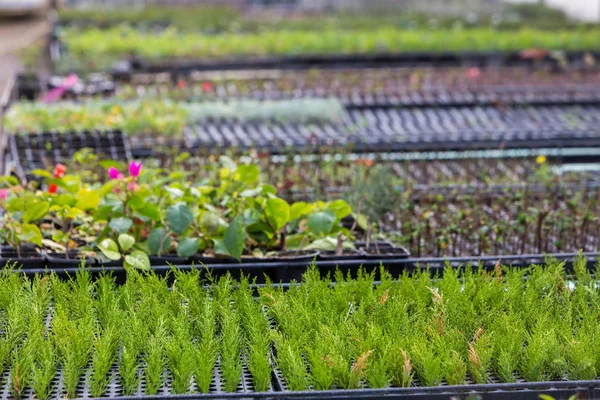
point(134, 169)
point(113, 173)
point(3, 194)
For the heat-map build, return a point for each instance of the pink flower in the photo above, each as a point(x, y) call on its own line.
point(473, 73)
point(134, 169)
point(131, 186)
point(3, 194)
point(113, 173)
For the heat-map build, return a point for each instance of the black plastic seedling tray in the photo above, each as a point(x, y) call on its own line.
point(33, 151)
point(285, 272)
point(374, 60)
point(410, 129)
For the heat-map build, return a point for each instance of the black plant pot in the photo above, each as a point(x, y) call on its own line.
point(283, 272)
point(60, 260)
point(30, 257)
point(347, 254)
point(168, 259)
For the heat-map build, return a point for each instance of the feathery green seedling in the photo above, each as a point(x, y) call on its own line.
point(133, 339)
point(400, 365)
point(207, 349)
point(231, 347)
point(291, 364)
point(74, 340)
point(180, 354)
point(480, 356)
point(155, 360)
point(104, 354)
point(258, 343)
point(21, 369)
point(456, 369)
point(44, 370)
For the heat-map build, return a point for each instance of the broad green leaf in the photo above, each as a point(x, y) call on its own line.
point(300, 209)
point(247, 174)
point(175, 192)
point(88, 199)
point(109, 248)
point(326, 244)
point(187, 247)
point(137, 259)
point(31, 234)
point(251, 192)
point(136, 202)
point(179, 218)
point(210, 222)
point(293, 242)
point(70, 183)
point(220, 248)
point(106, 164)
point(268, 190)
point(121, 224)
point(151, 211)
point(340, 208)
point(41, 173)
point(234, 238)
point(63, 199)
point(227, 162)
point(361, 221)
point(126, 241)
point(278, 212)
point(154, 241)
point(321, 223)
point(34, 210)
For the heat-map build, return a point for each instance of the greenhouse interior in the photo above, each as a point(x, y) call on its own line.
point(299, 199)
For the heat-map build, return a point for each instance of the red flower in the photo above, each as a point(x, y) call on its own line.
point(52, 188)
point(59, 170)
point(206, 87)
point(181, 84)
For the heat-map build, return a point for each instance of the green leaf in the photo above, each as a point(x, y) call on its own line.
point(340, 208)
point(175, 192)
point(151, 211)
point(234, 238)
point(121, 224)
point(210, 222)
point(269, 190)
point(41, 173)
point(300, 209)
point(137, 259)
point(361, 221)
point(34, 210)
point(88, 199)
point(154, 241)
point(247, 174)
point(296, 241)
point(326, 244)
point(126, 241)
point(227, 162)
point(31, 234)
point(187, 247)
point(64, 199)
point(136, 202)
point(109, 248)
point(251, 192)
point(179, 218)
point(106, 164)
point(278, 212)
point(321, 223)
